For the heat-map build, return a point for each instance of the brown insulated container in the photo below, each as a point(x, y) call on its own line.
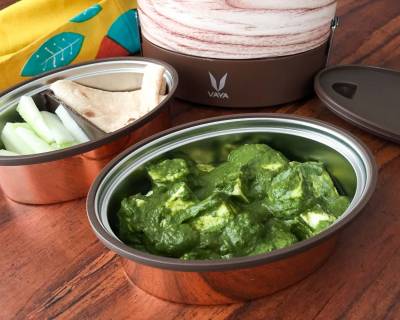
point(239, 53)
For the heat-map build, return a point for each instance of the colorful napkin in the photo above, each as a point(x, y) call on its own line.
point(37, 36)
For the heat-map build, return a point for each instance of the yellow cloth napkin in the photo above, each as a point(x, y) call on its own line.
point(37, 36)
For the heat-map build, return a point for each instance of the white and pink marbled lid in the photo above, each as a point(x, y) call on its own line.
point(237, 29)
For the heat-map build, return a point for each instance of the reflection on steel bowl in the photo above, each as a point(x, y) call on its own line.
point(237, 279)
point(67, 174)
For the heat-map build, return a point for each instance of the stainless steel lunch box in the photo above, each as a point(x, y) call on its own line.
point(68, 173)
point(222, 281)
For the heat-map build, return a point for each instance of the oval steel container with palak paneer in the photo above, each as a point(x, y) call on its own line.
point(349, 162)
point(67, 174)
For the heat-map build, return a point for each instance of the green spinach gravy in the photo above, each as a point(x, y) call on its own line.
point(255, 202)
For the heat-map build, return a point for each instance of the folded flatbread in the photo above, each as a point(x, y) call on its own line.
point(152, 85)
point(108, 110)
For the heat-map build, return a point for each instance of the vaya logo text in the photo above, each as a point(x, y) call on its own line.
point(218, 87)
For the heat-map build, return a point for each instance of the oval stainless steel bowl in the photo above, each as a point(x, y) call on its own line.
point(238, 279)
point(68, 173)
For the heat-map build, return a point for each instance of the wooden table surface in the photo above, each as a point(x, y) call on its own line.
point(52, 265)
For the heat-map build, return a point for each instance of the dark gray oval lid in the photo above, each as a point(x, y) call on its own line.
point(369, 97)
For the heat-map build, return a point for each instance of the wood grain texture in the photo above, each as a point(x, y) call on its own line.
point(236, 29)
point(52, 266)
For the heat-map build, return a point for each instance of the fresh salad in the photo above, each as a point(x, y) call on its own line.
point(41, 131)
point(44, 131)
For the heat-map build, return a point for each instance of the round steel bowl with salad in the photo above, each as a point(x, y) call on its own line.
point(58, 130)
point(203, 210)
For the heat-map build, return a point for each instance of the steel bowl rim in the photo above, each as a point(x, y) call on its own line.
point(234, 263)
point(108, 138)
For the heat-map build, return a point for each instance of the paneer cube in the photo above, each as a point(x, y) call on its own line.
point(168, 171)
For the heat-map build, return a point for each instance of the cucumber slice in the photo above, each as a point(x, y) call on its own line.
point(13, 142)
point(31, 114)
point(30, 138)
point(7, 153)
point(63, 145)
point(71, 125)
point(61, 135)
